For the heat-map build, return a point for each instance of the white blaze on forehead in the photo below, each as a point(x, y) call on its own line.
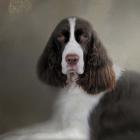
point(72, 28)
point(73, 47)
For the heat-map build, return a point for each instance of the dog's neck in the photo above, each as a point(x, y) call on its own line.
point(74, 105)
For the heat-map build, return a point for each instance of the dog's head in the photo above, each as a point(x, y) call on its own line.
point(75, 49)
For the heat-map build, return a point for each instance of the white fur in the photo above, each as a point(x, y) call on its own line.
point(118, 71)
point(72, 47)
point(70, 120)
point(75, 105)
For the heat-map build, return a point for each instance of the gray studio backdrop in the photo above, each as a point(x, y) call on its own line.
point(25, 26)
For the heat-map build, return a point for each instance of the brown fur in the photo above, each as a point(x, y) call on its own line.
point(98, 73)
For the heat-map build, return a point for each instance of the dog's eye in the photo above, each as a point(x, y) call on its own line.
point(61, 38)
point(83, 38)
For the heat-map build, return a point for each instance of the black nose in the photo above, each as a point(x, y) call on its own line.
point(72, 59)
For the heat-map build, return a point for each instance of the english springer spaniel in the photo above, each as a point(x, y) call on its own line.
point(98, 100)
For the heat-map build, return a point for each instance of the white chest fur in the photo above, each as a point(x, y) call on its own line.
point(73, 109)
point(70, 120)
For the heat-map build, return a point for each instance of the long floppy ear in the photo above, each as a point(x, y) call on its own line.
point(49, 65)
point(99, 74)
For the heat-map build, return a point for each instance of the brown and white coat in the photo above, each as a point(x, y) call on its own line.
point(97, 100)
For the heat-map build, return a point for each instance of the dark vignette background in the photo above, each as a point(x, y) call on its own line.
point(24, 100)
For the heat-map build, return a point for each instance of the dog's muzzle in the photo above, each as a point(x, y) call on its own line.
point(72, 58)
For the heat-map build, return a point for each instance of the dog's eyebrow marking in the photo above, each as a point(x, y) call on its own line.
point(72, 22)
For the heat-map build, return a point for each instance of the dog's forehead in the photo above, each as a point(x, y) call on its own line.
point(66, 23)
point(63, 25)
point(79, 23)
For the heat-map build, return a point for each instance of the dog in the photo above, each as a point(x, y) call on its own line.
point(98, 100)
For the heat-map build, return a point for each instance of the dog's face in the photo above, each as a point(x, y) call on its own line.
point(72, 37)
point(75, 48)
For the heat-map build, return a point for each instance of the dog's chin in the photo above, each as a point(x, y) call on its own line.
point(75, 69)
point(72, 76)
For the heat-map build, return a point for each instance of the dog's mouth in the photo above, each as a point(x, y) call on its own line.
point(71, 68)
point(72, 76)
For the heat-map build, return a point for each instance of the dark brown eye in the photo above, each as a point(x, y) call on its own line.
point(61, 38)
point(83, 38)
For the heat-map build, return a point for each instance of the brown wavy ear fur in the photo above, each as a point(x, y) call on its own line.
point(99, 74)
point(49, 65)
